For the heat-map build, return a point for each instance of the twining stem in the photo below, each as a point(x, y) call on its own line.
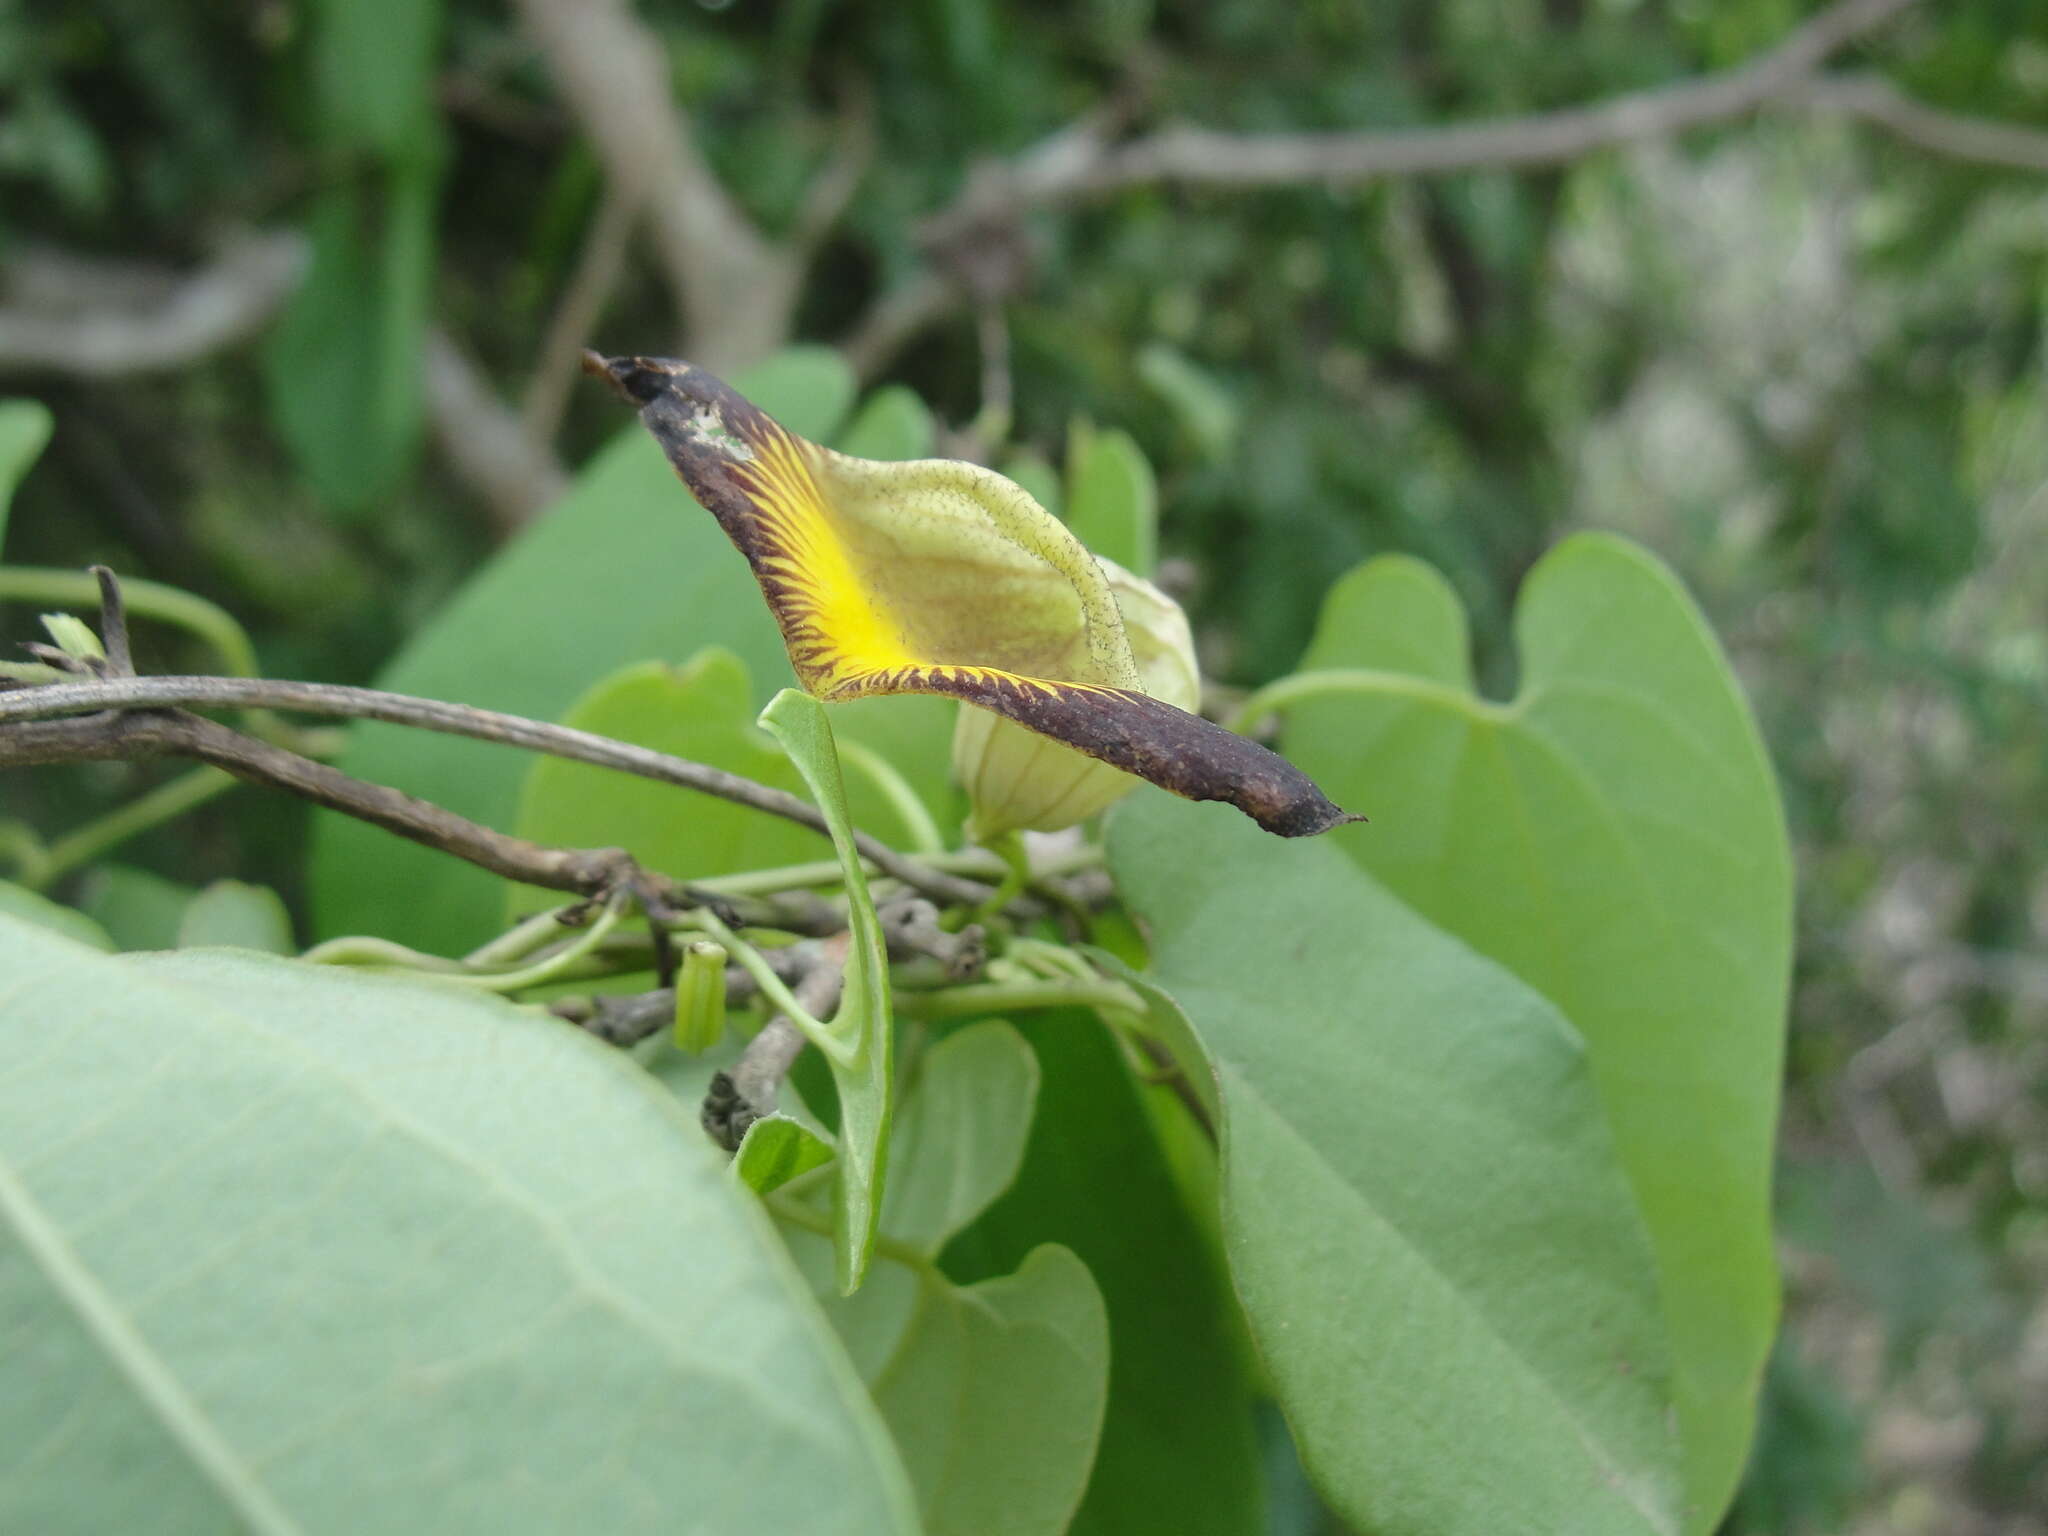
point(799, 1213)
point(839, 1047)
point(1016, 996)
point(1299, 686)
point(478, 724)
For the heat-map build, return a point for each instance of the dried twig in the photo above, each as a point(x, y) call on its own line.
point(1083, 161)
point(118, 736)
point(150, 693)
point(513, 471)
point(1878, 101)
point(83, 315)
point(736, 289)
point(577, 311)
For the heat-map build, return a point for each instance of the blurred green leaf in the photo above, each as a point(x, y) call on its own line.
point(25, 905)
point(862, 1031)
point(373, 73)
point(137, 909)
point(24, 429)
point(238, 916)
point(1424, 1214)
point(1205, 409)
point(626, 568)
point(893, 424)
point(1177, 1452)
point(252, 1280)
point(1612, 837)
point(344, 364)
point(1112, 499)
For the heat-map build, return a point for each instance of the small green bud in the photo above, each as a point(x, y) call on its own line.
point(700, 997)
point(74, 637)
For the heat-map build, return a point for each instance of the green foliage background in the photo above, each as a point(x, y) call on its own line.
point(1799, 360)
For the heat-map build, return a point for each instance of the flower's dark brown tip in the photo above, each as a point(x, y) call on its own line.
point(637, 380)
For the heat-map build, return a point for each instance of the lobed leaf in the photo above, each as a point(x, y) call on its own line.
point(1613, 837)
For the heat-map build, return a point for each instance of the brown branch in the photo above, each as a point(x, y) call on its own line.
point(56, 699)
point(1878, 101)
point(76, 314)
point(174, 733)
point(735, 1100)
point(1081, 162)
point(1200, 157)
point(736, 289)
point(581, 306)
point(909, 925)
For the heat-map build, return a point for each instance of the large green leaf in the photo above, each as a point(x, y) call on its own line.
point(373, 72)
point(625, 569)
point(994, 1391)
point(296, 1249)
point(24, 428)
point(1613, 837)
point(1436, 1249)
point(703, 711)
point(1178, 1448)
point(343, 366)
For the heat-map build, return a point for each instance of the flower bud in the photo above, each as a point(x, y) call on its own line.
point(700, 997)
point(1020, 781)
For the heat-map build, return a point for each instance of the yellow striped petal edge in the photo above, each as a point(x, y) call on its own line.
point(937, 576)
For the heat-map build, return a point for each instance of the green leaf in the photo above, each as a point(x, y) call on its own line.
point(25, 905)
point(894, 424)
point(137, 909)
point(1030, 469)
point(344, 363)
point(775, 1150)
point(1433, 1241)
point(24, 429)
point(975, 1092)
point(626, 568)
point(994, 1391)
point(1206, 410)
point(857, 1046)
point(1613, 837)
point(996, 1399)
point(238, 916)
point(328, 1251)
point(702, 711)
point(1178, 1451)
point(373, 66)
point(1112, 499)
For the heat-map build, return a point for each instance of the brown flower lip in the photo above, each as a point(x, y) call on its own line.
point(1178, 751)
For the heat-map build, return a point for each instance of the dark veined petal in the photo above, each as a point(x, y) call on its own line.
point(936, 576)
point(1178, 751)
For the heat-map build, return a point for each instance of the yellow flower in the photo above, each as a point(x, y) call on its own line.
point(936, 576)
